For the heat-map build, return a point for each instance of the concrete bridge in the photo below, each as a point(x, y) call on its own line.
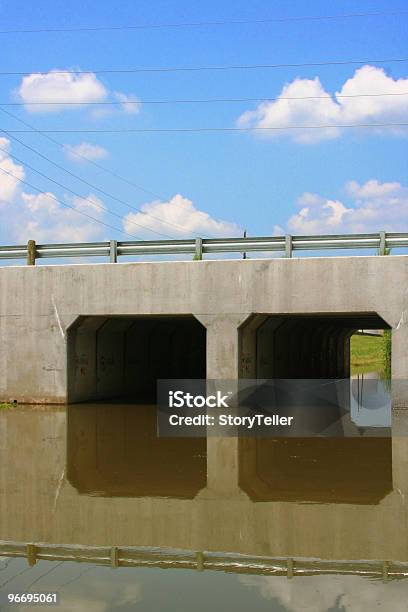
point(71, 333)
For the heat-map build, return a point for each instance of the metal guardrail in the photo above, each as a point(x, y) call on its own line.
point(198, 247)
point(202, 560)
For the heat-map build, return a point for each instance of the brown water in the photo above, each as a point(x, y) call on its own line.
point(222, 524)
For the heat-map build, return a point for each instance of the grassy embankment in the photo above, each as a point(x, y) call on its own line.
point(371, 354)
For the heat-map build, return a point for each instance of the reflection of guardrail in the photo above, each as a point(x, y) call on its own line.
point(200, 561)
point(381, 241)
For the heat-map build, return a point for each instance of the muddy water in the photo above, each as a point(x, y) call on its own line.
point(224, 524)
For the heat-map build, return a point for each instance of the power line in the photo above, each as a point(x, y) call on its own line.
point(211, 129)
point(91, 161)
point(200, 100)
point(206, 68)
point(81, 156)
point(193, 24)
point(23, 571)
point(54, 567)
point(95, 204)
point(92, 186)
point(80, 212)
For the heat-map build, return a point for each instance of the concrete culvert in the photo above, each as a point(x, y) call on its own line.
point(123, 357)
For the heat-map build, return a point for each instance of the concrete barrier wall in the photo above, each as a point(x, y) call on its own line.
point(38, 306)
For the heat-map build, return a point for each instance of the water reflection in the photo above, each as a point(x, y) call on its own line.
point(113, 450)
point(335, 470)
point(96, 475)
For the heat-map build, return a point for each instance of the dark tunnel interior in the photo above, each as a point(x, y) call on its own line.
point(302, 346)
point(123, 357)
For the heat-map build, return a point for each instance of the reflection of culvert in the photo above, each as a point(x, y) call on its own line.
point(114, 451)
point(325, 470)
point(124, 356)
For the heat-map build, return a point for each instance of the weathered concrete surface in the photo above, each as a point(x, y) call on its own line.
point(39, 304)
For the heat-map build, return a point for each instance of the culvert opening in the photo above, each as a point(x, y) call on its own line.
point(303, 346)
point(122, 357)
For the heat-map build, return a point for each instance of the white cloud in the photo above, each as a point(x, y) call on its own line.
point(43, 218)
point(322, 593)
point(333, 109)
point(55, 86)
point(99, 592)
point(41, 202)
point(90, 204)
point(376, 206)
point(130, 103)
point(9, 186)
point(84, 151)
point(179, 211)
point(40, 216)
point(372, 189)
point(73, 87)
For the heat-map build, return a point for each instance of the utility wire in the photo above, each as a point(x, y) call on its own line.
point(193, 24)
point(206, 68)
point(76, 194)
point(211, 129)
point(23, 571)
point(199, 101)
point(80, 212)
point(91, 161)
point(92, 186)
point(81, 156)
point(54, 567)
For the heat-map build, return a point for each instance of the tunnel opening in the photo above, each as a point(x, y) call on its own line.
point(122, 357)
point(336, 469)
point(302, 345)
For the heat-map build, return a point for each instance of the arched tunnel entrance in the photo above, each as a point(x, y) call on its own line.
point(124, 356)
point(324, 470)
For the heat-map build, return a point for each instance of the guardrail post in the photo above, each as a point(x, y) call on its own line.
point(200, 561)
point(31, 253)
point(198, 254)
point(382, 250)
point(290, 568)
point(288, 245)
point(31, 554)
point(113, 251)
point(114, 557)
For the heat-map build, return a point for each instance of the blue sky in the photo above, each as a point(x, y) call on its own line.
point(208, 183)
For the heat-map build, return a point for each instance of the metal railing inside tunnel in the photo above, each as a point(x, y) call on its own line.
point(381, 242)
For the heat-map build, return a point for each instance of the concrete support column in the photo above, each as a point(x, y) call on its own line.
point(222, 363)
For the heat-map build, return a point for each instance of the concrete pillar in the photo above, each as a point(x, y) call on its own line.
point(223, 357)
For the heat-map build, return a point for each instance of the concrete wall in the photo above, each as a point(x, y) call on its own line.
point(39, 304)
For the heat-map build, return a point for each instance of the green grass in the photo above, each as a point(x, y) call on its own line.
point(369, 354)
point(5, 405)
